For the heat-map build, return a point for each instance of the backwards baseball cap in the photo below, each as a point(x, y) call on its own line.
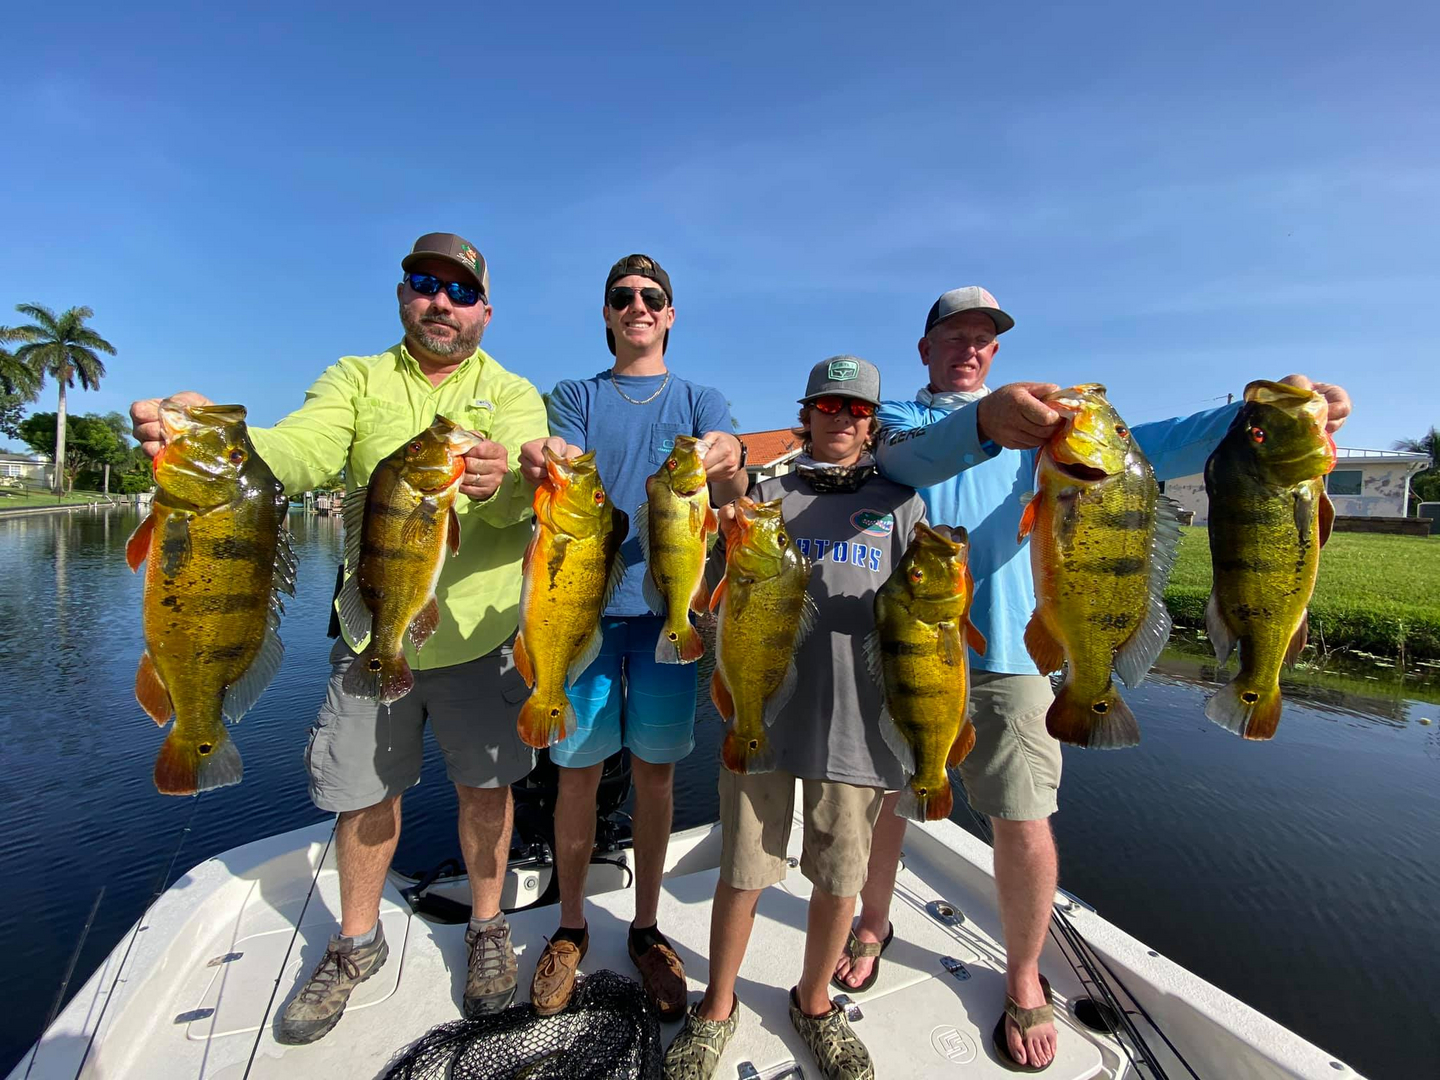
point(456, 250)
point(845, 376)
point(970, 298)
point(638, 266)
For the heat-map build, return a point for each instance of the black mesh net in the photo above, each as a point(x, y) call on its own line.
point(609, 1032)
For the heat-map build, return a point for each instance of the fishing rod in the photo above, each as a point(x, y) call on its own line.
point(65, 982)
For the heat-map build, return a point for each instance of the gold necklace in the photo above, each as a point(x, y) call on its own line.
point(649, 399)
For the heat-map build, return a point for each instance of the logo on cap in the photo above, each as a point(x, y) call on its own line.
point(467, 255)
point(843, 371)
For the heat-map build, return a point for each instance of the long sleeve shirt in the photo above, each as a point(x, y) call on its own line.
point(967, 481)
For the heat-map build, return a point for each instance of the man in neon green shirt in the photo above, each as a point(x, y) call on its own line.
point(362, 757)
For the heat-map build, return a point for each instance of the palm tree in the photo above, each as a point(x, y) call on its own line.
point(1426, 483)
point(16, 378)
point(62, 347)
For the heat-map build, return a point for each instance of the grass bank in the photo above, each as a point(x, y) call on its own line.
point(15, 501)
point(1376, 594)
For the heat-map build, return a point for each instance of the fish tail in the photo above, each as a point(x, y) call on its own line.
point(1099, 722)
point(1249, 711)
point(379, 678)
point(679, 645)
point(186, 767)
point(544, 723)
point(919, 802)
point(744, 756)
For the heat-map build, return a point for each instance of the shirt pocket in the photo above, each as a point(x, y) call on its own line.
point(662, 440)
point(380, 425)
point(475, 414)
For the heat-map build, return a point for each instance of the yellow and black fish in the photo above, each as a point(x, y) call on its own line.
point(675, 526)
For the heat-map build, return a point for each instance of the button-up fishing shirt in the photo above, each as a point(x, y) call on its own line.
point(360, 410)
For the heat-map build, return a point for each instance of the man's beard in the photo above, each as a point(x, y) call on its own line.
point(458, 347)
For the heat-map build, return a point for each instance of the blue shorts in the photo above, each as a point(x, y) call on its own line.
point(625, 698)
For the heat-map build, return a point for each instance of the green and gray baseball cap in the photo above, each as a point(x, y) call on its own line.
point(969, 298)
point(455, 250)
point(847, 376)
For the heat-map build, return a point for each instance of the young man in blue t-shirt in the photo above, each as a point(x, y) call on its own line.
point(629, 415)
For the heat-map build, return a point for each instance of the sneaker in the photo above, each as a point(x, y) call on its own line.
point(321, 1001)
point(663, 976)
point(554, 979)
point(695, 1053)
point(490, 979)
point(839, 1051)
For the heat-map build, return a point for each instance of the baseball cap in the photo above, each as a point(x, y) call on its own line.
point(455, 250)
point(639, 266)
point(846, 376)
point(969, 298)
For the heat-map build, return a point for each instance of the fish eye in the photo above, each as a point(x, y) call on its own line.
point(916, 574)
point(782, 538)
point(1257, 434)
point(671, 464)
point(237, 455)
point(599, 496)
point(1122, 431)
point(415, 447)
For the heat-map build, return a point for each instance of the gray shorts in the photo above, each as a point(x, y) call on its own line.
point(1014, 770)
point(361, 753)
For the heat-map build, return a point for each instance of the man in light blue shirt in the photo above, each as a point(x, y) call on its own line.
point(971, 453)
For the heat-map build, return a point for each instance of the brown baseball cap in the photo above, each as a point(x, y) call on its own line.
point(455, 250)
point(638, 266)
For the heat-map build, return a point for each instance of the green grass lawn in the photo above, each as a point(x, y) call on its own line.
point(1378, 594)
point(14, 500)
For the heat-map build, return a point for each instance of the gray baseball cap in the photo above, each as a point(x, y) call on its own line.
point(969, 298)
point(847, 376)
point(455, 250)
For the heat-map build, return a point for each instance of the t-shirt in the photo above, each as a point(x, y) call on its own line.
point(830, 728)
point(630, 442)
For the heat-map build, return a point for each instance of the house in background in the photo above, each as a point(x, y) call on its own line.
point(1364, 483)
point(769, 453)
point(29, 470)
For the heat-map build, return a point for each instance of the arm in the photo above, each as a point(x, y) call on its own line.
point(727, 477)
point(312, 444)
point(1179, 446)
point(565, 415)
point(928, 454)
point(519, 419)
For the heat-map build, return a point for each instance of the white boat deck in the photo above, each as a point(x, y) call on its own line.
point(194, 998)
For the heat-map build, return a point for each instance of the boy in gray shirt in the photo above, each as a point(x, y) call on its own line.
point(855, 525)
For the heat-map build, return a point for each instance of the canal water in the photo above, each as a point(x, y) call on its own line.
point(1301, 875)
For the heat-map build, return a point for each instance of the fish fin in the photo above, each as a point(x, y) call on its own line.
point(1040, 643)
point(1298, 639)
point(541, 725)
point(654, 599)
point(903, 751)
point(286, 564)
point(352, 517)
point(746, 756)
point(180, 768)
point(1249, 712)
point(1137, 654)
point(776, 702)
point(925, 805)
point(452, 532)
point(641, 520)
point(720, 695)
point(875, 658)
point(419, 519)
point(963, 744)
point(373, 676)
point(522, 661)
point(1027, 519)
point(242, 694)
point(138, 546)
point(718, 594)
point(1103, 723)
point(1327, 517)
point(700, 599)
point(352, 610)
point(150, 691)
point(952, 646)
point(617, 565)
point(174, 543)
point(975, 637)
point(587, 653)
point(687, 647)
point(808, 614)
point(530, 552)
point(711, 523)
point(1222, 638)
point(425, 622)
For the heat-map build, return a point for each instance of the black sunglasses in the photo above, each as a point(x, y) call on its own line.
point(621, 296)
point(460, 294)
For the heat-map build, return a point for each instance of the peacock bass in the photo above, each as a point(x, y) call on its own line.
point(675, 526)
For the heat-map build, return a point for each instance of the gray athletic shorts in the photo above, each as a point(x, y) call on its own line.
point(1014, 770)
point(361, 753)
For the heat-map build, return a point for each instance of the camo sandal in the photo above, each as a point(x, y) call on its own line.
point(695, 1053)
point(838, 1050)
point(855, 949)
point(1025, 1020)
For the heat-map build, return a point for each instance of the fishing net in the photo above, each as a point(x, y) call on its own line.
point(609, 1032)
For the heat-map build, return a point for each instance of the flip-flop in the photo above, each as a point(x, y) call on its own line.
point(855, 949)
point(1025, 1020)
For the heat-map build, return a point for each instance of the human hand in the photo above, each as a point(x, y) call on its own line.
point(1335, 397)
point(145, 419)
point(532, 457)
point(1015, 416)
point(485, 466)
point(726, 516)
point(722, 460)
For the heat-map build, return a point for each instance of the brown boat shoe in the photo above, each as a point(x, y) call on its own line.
point(554, 979)
point(662, 974)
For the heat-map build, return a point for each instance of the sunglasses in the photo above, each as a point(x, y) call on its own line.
point(460, 294)
point(621, 297)
point(831, 404)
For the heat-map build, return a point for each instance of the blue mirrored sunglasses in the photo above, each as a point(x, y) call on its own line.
point(460, 294)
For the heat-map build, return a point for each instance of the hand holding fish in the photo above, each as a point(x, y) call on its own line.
point(1016, 417)
point(145, 419)
point(532, 457)
point(485, 466)
point(1336, 399)
point(722, 459)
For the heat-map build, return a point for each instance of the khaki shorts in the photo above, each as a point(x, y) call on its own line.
point(361, 753)
point(1014, 770)
point(756, 812)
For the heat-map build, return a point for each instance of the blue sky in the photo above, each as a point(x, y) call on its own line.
point(1169, 199)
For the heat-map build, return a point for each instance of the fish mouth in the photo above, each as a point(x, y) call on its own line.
point(1086, 473)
